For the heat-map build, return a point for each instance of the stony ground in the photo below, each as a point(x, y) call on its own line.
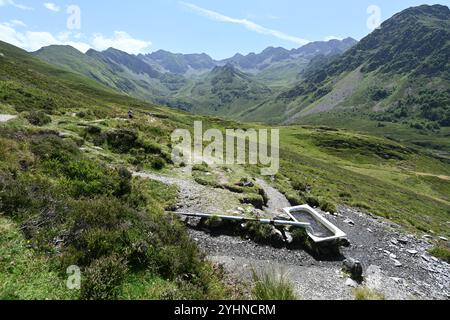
point(395, 264)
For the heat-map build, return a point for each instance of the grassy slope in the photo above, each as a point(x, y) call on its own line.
point(376, 174)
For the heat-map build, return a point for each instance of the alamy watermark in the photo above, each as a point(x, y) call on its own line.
point(374, 20)
point(74, 19)
point(228, 147)
point(74, 278)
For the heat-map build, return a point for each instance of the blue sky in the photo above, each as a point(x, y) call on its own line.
point(217, 27)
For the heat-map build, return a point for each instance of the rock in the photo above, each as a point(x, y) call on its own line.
point(394, 241)
point(413, 252)
point(392, 256)
point(427, 236)
point(288, 237)
point(443, 238)
point(276, 235)
point(240, 209)
point(354, 267)
point(370, 230)
point(351, 283)
point(350, 222)
point(403, 240)
point(396, 279)
point(424, 257)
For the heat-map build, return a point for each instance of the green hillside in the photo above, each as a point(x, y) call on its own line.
point(396, 77)
point(224, 91)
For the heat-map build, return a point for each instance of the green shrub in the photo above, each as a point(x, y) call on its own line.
point(313, 201)
point(272, 286)
point(328, 206)
point(201, 167)
point(122, 141)
point(367, 294)
point(103, 278)
point(254, 199)
point(259, 232)
point(38, 118)
point(300, 186)
point(441, 251)
point(158, 163)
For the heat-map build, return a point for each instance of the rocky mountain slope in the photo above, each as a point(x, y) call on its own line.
point(400, 72)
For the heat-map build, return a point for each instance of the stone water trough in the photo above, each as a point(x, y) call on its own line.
point(320, 230)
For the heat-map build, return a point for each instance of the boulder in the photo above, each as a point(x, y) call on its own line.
point(354, 267)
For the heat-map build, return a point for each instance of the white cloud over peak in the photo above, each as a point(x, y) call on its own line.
point(32, 41)
point(333, 38)
point(52, 7)
point(121, 41)
point(252, 26)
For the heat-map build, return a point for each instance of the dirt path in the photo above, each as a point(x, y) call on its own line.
point(6, 117)
point(277, 201)
point(395, 264)
point(194, 198)
point(442, 177)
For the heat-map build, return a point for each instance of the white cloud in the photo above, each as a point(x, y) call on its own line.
point(121, 41)
point(15, 23)
point(33, 41)
point(212, 15)
point(333, 38)
point(52, 7)
point(4, 3)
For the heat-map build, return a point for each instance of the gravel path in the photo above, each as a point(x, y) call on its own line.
point(6, 117)
point(395, 264)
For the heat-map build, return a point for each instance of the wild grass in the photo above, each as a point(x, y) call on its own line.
point(271, 285)
point(365, 293)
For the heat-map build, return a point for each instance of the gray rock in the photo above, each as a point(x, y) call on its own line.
point(288, 237)
point(354, 267)
point(397, 263)
point(351, 283)
point(276, 235)
point(413, 252)
point(350, 222)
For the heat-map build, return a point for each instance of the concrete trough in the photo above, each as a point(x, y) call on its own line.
point(320, 230)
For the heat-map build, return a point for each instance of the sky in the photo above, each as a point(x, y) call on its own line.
point(219, 28)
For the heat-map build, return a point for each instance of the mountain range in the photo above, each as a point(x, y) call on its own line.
point(397, 78)
point(181, 80)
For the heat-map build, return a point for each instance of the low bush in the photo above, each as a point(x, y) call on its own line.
point(270, 285)
point(38, 118)
point(259, 232)
point(441, 251)
point(365, 293)
point(103, 278)
point(254, 199)
point(328, 206)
